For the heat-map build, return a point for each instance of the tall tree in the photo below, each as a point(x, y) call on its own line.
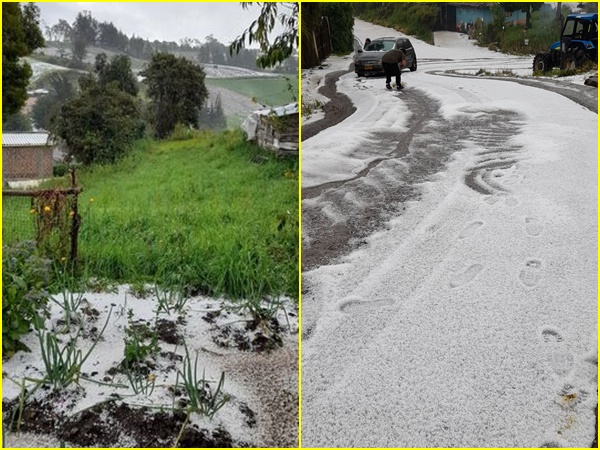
point(83, 35)
point(62, 31)
point(61, 89)
point(117, 70)
point(212, 115)
point(219, 120)
point(341, 23)
point(311, 20)
point(110, 37)
point(100, 124)
point(283, 45)
point(86, 27)
point(177, 92)
point(21, 35)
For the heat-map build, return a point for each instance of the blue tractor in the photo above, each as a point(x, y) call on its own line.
point(578, 44)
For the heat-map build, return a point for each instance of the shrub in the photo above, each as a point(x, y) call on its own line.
point(60, 170)
point(181, 132)
point(341, 23)
point(25, 276)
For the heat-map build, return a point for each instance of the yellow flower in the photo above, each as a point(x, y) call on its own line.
point(92, 200)
point(47, 209)
point(71, 214)
point(63, 259)
point(32, 211)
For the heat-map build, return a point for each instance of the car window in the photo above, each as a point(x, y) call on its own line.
point(388, 45)
point(379, 46)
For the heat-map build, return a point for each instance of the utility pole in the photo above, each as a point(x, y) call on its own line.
point(559, 18)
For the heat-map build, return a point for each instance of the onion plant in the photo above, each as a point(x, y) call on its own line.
point(202, 398)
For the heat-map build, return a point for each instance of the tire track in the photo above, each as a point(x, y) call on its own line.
point(586, 96)
point(339, 107)
point(338, 216)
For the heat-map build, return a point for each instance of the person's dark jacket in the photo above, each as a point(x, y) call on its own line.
point(393, 56)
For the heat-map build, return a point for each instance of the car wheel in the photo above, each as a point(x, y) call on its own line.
point(360, 74)
point(414, 65)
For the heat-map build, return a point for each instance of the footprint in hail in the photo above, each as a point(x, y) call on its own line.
point(470, 230)
point(356, 305)
point(466, 276)
point(533, 226)
point(531, 274)
point(557, 355)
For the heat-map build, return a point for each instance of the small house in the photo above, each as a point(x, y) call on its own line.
point(461, 16)
point(26, 156)
point(275, 129)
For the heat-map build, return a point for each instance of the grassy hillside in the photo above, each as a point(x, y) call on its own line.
point(269, 91)
point(200, 214)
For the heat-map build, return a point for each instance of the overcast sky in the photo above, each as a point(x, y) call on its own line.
point(163, 21)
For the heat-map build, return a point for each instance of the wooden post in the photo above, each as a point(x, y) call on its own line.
point(76, 221)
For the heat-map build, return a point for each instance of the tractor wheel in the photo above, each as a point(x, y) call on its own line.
point(580, 55)
point(569, 61)
point(542, 63)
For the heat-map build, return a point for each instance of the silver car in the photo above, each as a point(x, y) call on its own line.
point(368, 60)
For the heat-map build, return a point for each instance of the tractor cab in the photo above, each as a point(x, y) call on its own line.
point(580, 30)
point(578, 43)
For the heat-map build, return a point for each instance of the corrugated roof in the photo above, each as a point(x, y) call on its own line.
point(25, 139)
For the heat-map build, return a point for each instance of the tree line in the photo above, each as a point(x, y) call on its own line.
point(86, 31)
point(104, 117)
point(101, 114)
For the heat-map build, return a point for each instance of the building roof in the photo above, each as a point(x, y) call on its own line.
point(287, 110)
point(25, 139)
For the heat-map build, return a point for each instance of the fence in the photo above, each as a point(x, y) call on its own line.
point(316, 45)
point(50, 217)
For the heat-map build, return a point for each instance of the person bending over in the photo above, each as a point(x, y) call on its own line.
point(393, 61)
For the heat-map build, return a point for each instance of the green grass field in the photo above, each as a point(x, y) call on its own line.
point(270, 91)
point(198, 214)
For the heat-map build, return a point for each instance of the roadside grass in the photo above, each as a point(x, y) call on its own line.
point(212, 214)
point(588, 66)
point(272, 91)
point(414, 19)
point(497, 73)
point(310, 107)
